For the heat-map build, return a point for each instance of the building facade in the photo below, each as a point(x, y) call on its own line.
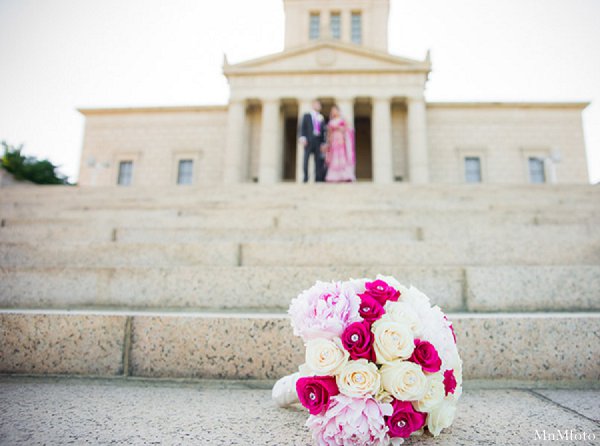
point(336, 51)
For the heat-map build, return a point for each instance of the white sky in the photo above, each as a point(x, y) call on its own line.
point(57, 55)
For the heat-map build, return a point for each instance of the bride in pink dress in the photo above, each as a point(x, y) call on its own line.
point(340, 157)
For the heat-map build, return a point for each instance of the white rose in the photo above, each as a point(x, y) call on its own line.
point(325, 356)
point(359, 379)
point(404, 380)
point(435, 393)
point(393, 340)
point(441, 417)
point(383, 396)
point(402, 313)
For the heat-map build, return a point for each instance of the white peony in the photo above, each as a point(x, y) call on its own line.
point(404, 380)
point(435, 393)
point(441, 417)
point(392, 340)
point(359, 379)
point(325, 356)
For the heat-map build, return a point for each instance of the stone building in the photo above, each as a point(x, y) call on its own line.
point(335, 50)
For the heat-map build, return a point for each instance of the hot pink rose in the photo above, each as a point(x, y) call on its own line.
point(381, 292)
point(357, 339)
point(449, 381)
point(426, 356)
point(405, 419)
point(314, 392)
point(370, 310)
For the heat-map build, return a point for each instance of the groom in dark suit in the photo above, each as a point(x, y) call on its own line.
point(312, 137)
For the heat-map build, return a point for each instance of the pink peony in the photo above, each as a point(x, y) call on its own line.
point(426, 356)
point(351, 422)
point(370, 310)
point(381, 292)
point(449, 381)
point(324, 311)
point(357, 339)
point(314, 392)
point(405, 419)
point(451, 328)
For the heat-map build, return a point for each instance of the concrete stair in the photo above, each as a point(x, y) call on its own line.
point(194, 282)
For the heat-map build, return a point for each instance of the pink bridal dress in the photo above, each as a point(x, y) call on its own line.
point(340, 153)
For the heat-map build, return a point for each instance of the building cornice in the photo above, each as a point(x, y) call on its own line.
point(496, 104)
point(156, 109)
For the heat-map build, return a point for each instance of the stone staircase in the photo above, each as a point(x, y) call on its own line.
point(195, 282)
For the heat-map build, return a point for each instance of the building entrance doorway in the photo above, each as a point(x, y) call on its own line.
point(364, 161)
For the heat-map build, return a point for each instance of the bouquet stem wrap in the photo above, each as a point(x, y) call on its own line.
point(284, 391)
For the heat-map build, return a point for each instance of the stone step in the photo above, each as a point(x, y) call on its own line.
point(257, 288)
point(118, 255)
point(223, 413)
point(479, 289)
point(285, 253)
point(306, 202)
point(450, 253)
point(164, 235)
point(81, 232)
point(261, 346)
point(362, 192)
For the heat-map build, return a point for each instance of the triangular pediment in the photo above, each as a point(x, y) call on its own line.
point(327, 56)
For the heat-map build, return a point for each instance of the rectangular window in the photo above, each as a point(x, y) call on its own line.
point(336, 25)
point(473, 169)
point(357, 28)
point(125, 173)
point(185, 174)
point(537, 174)
point(315, 26)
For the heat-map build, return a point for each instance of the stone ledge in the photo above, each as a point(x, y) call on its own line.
point(261, 346)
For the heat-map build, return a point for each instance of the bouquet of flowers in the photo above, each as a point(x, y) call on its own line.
point(381, 363)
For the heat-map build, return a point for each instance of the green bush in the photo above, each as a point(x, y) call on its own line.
point(30, 168)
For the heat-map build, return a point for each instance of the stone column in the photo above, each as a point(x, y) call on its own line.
point(346, 106)
point(270, 168)
point(235, 143)
point(304, 106)
point(418, 156)
point(381, 129)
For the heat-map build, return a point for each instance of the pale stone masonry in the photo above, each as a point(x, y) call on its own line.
point(335, 50)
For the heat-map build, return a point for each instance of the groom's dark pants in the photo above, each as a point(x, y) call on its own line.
point(314, 148)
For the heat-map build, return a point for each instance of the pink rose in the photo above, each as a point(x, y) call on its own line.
point(315, 392)
point(357, 339)
point(449, 381)
point(370, 310)
point(351, 422)
point(405, 419)
point(426, 356)
point(381, 292)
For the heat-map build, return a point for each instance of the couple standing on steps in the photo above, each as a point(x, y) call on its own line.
point(331, 144)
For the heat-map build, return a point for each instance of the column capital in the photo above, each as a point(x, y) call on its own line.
point(415, 99)
point(381, 99)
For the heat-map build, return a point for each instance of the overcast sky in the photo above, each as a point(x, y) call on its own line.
point(58, 55)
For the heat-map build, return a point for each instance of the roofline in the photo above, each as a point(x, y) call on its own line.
point(250, 66)
point(151, 109)
point(525, 104)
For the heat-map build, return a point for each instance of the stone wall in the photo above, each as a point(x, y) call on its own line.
point(504, 136)
point(155, 140)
